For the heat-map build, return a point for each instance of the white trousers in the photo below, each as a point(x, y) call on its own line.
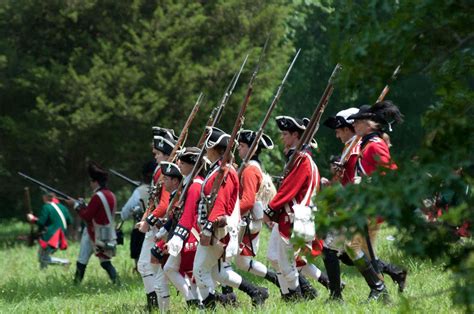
point(86, 249)
point(146, 269)
point(45, 258)
point(182, 283)
point(248, 264)
point(162, 288)
point(281, 256)
point(206, 270)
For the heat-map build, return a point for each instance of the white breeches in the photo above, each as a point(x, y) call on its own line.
point(146, 269)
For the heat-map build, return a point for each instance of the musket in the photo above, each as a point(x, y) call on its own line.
point(370, 248)
point(125, 178)
point(259, 133)
point(213, 119)
point(313, 124)
point(239, 121)
point(216, 113)
point(47, 187)
point(157, 192)
point(29, 211)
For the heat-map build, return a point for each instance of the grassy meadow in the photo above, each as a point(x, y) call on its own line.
point(26, 289)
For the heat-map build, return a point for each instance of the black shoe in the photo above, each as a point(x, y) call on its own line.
point(80, 271)
point(335, 297)
point(378, 291)
point(152, 301)
point(293, 295)
point(193, 304)
point(209, 302)
point(272, 277)
point(379, 295)
point(307, 290)
point(398, 275)
point(257, 294)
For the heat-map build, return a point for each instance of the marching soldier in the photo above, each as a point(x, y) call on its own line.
point(255, 193)
point(219, 228)
point(345, 170)
point(163, 143)
point(53, 219)
point(99, 235)
point(135, 207)
point(184, 237)
point(369, 124)
point(296, 188)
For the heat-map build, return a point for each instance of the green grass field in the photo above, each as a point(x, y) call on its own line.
point(26, 289)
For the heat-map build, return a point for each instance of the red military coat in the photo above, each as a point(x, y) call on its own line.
point(250, 181)
point(227, 194)
point(188, 226)
point(374, 153)
point(349, 157)
point(292, 190)
point(95, 211)
point(163, 199)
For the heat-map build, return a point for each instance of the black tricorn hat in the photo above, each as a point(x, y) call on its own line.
point(216, 137)
point(383, 112)
point(341, 119)
point(96, 172)
point(164, 145)
point(189, 155)
point(171, 170)
point(287, 123)
point(248, 136)
point(164, 132)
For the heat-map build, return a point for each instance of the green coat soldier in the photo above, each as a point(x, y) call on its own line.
point(53, 220)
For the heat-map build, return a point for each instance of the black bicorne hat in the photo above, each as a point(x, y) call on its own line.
point(341, 119)
point(97, 173)
point(384, 112)
point(189, 155)
point(170, 169)
point(164, 132)
point(287, 123)
point(248, 136)
point(216, 137)
point(164, 145)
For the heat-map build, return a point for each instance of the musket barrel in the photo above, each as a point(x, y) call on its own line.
point(123, 177)
point(47, 187)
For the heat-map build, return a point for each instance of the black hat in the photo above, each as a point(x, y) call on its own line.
point(248, 136)
point(148, 168)
point(164, 132)
point(216, 137)
point(189, 155)
point(97, 173)
point(286, 123)
point(340, 120)
point(164, 145)
point(384, 112)
point(170, 169)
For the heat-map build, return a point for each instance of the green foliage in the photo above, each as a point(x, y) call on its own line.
point(86, 80)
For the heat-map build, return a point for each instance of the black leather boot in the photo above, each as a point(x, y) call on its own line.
point(110, 269)
point(331, 262)
point(228, 297)
point(293, 295)
point(257, 294)
point(193, 304)
point(209, 302)
point(378, 291)
point(307, 290)
point(398, 275)
point(272, 277)
point(80, 271)
point(152, 301)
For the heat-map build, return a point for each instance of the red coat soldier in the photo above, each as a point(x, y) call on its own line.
point(99, 236)
point(296, 188)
